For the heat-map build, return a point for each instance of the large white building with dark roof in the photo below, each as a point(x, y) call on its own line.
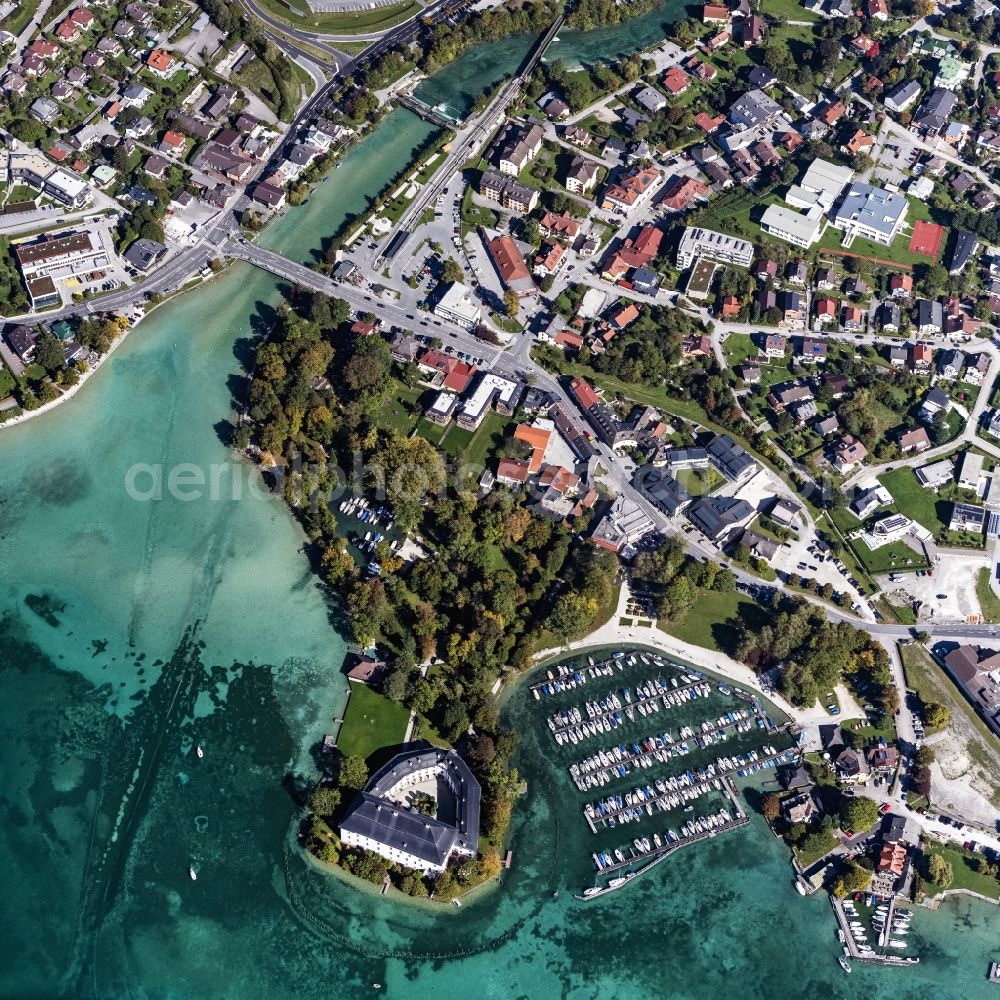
point(382, 819)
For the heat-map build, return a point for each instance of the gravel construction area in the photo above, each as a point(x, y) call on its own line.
point(947, 596)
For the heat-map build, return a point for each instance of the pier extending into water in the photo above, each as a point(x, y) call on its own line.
point(605, 765)
point(701, 781)
point(656, 854)
point(851, 947)
point(573, 725)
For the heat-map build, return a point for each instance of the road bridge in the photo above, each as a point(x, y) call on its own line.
point(468, 140)
point(433, 115)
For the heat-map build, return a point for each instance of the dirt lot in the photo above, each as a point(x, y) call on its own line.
point(954, 578)
point(967, 768)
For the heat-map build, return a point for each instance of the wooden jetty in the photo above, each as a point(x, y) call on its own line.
point(850, 945)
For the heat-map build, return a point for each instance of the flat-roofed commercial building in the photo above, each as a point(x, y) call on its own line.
point(821, 184)
point(442, 409)
point(872, 213)
point(60, 256)
point(457, 306)
point(491, 388)
point(802, 229)
point(41, 173)
point(698, 242)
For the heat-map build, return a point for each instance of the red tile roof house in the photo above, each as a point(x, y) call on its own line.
point(852, 316)
point(626, 315)
point(921, 356)
point(82, 17)
point(831, 112)
point(901, 285)
point(676, 81)
point(860, 142)
point(826, 310)
point(712, 13)
point(568, 340)
point(681, 191)
point(512, 472)
point(707, 123)
point(510, 264)
point(43, 48)
point(160, 63)
point(68, 31)
point(867, 46)
point(730, 306)
point(457, 374)
point(584, 393)
point(172, 142)
point(560, 225)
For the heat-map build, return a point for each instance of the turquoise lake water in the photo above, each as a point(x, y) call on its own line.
point(132, 628)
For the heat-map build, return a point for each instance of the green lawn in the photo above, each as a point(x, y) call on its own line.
point(402, 411)
point(7, 383)
point(370, 723)
point(431, 432)
point(915, 501)
point(487, 439)
point(711, 622)
point(653, 395)
point(989, 603)
point(888, 558)
point(699, 482)
point(965, 876)
point(457, 439)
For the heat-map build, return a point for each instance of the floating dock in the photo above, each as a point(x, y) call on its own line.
point(611, 763)
point(572, 724)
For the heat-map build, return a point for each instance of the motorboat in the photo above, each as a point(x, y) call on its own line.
point(192, 873)
point(199, 750)
point(844, 964)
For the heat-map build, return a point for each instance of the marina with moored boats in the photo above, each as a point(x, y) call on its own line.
point(671, 785)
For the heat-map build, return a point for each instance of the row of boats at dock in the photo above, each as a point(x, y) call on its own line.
point(608, 765)
point(898, 929)
point(642, 847)
point(895, 938)
point(642, 802)
point(566, 678)
point(359, 508)
point(663, 793)
point(571, 725)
